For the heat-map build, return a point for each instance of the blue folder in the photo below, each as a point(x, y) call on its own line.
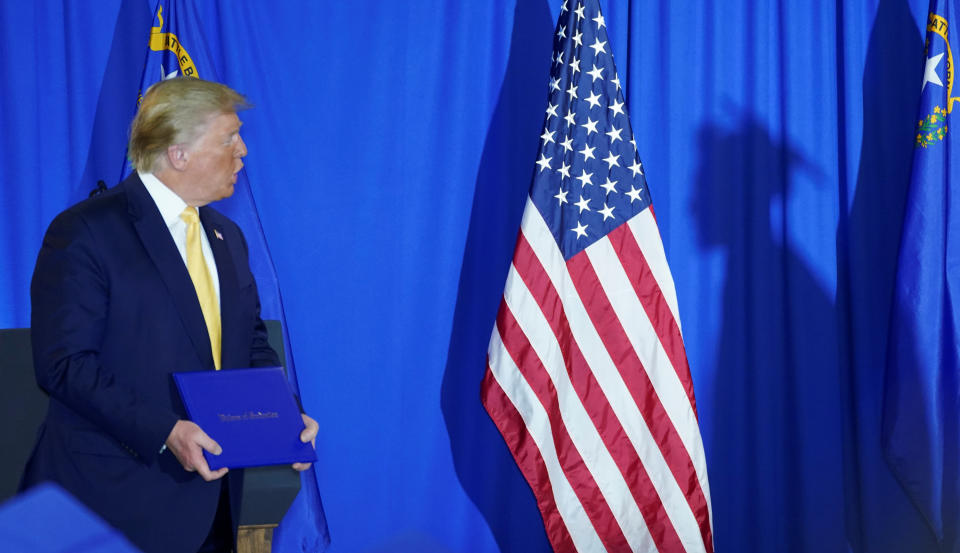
point(251, 413)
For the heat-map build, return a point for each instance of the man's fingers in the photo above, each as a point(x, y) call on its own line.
point(210, 475)
point(199, 437)
point(198, 464)
point(208, 443)
point(187, 441)
point(309, 433)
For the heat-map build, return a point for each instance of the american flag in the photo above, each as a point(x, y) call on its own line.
point(587, 377)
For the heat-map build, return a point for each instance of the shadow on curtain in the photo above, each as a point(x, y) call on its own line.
point(483, 463)
point(776, 464)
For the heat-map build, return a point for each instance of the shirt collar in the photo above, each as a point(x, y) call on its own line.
point(169, 204)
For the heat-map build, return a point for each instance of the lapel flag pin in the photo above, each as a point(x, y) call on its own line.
point(217, 234)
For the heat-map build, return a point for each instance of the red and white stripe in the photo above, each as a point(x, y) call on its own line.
point(588, 382)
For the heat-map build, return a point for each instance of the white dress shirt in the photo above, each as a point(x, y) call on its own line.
point(171, 206)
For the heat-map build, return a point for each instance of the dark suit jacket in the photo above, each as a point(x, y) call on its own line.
point(114, 312)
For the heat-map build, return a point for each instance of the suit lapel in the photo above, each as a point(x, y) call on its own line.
point(229, 291)
point(163, 252)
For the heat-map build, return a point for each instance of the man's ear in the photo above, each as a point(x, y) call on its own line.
point(177, 156)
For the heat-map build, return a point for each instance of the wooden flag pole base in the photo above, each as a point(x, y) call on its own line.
point(255, 538)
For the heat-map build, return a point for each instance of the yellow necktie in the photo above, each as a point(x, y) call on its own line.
point(200, 275)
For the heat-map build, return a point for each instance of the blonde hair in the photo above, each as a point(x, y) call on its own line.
point(176, 111)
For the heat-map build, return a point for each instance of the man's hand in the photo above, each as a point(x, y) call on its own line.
point(187, 442)
point(309, 434)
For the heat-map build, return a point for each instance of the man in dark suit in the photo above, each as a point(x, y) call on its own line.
point(129, 287)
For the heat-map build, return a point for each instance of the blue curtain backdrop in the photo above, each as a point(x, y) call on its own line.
point(390, 152)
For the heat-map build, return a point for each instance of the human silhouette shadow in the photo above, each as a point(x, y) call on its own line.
point(483, 463)
point(880, 516)
point(775, 461)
